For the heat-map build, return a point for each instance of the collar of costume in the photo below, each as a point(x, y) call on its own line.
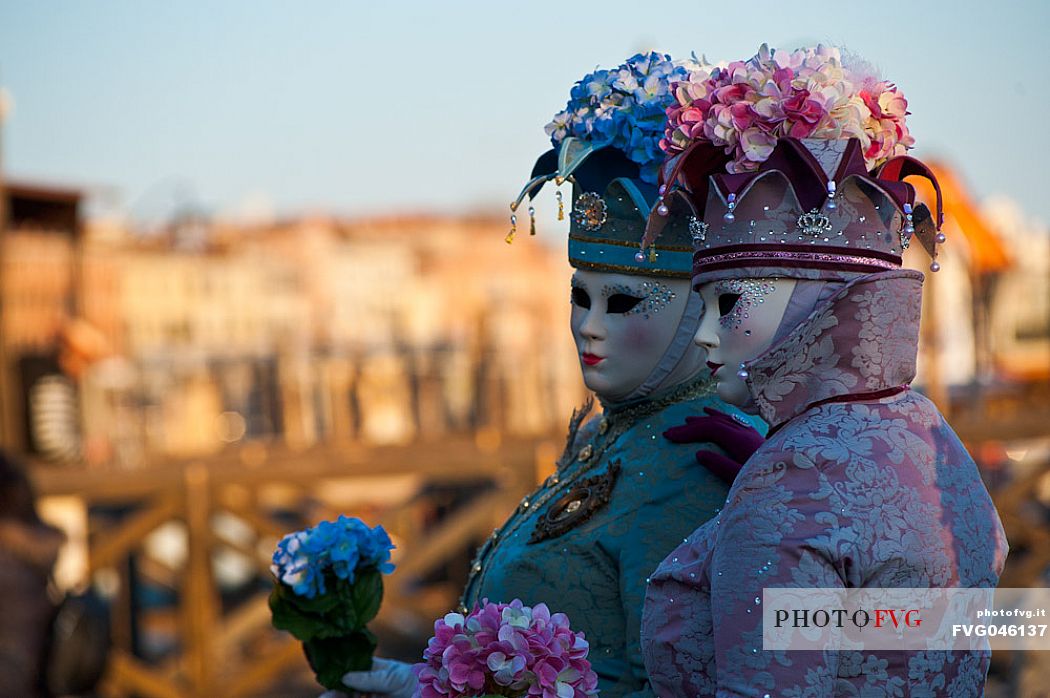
point(700, 385)
point(861, 343)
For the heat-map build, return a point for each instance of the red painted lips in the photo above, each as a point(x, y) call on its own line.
point(591, 359)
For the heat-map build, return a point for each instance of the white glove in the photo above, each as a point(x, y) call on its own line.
point(388, 678)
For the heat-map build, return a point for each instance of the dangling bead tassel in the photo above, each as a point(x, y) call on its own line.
point(729, 216)
point(652, 255)
point(561, 206)
point(532, 220)
point(909, 224)
point(513, 229)
point(742, 373)
point(831, 195)
point(938, 239)
point(661, 207)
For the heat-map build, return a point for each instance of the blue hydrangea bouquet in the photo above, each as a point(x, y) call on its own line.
point(327, 586)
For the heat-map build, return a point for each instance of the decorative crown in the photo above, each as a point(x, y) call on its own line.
point(804, 179)
point(804, 216)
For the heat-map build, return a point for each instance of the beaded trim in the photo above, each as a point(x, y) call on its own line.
point(624, 269)
point(633, 244)
point(816, 258)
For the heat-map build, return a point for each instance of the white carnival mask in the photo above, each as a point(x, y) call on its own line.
point(741, 317)
point(623, 324)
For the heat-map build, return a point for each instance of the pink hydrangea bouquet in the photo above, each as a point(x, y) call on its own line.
point(506, 650)
point(747, 106)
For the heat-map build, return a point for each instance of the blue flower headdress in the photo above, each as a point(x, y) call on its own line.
point(606, 144)
point(624, 108)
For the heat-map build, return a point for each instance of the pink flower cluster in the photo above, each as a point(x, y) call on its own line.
point(747, 106)
point(507, 650)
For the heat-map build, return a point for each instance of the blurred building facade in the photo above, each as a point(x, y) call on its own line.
point(385, 330)
point(40, 231)
point(382, 331)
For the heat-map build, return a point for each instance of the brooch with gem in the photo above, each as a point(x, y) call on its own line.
point(590, 212)
point(814, 223)
point(577, 505)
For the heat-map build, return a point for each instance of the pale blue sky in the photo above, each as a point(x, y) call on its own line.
point(373, 107)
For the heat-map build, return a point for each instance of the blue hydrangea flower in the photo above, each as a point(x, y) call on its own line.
point(624, 108)
point(344, 546)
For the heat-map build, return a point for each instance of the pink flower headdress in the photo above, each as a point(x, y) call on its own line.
point(793, 163)
point(747, 106)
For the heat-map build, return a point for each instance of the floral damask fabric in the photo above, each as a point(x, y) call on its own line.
point(867, 488)
point(595, 571)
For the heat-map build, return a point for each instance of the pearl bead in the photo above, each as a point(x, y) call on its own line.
point(662, 209)
point(935, 266)
point(940, 238)
point(639, 257)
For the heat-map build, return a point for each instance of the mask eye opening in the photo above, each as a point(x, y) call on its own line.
point(622, 303)
point(726, 302)
point(580, 298)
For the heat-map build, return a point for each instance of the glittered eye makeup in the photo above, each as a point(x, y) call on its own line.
point(647, 298)
point(738, 297)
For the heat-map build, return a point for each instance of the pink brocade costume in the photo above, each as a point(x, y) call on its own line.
point(861, 484)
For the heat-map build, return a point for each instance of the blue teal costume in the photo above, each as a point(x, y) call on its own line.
point(585, 541)
point(622, 496)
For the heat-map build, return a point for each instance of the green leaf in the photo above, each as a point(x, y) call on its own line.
point(332, 657)
point(366, 595)
point(288, 616)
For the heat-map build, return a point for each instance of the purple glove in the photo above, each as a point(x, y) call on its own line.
point(738, 439)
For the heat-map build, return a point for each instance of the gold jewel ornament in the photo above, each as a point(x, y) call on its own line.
point(577, 505)
point(590, 211)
